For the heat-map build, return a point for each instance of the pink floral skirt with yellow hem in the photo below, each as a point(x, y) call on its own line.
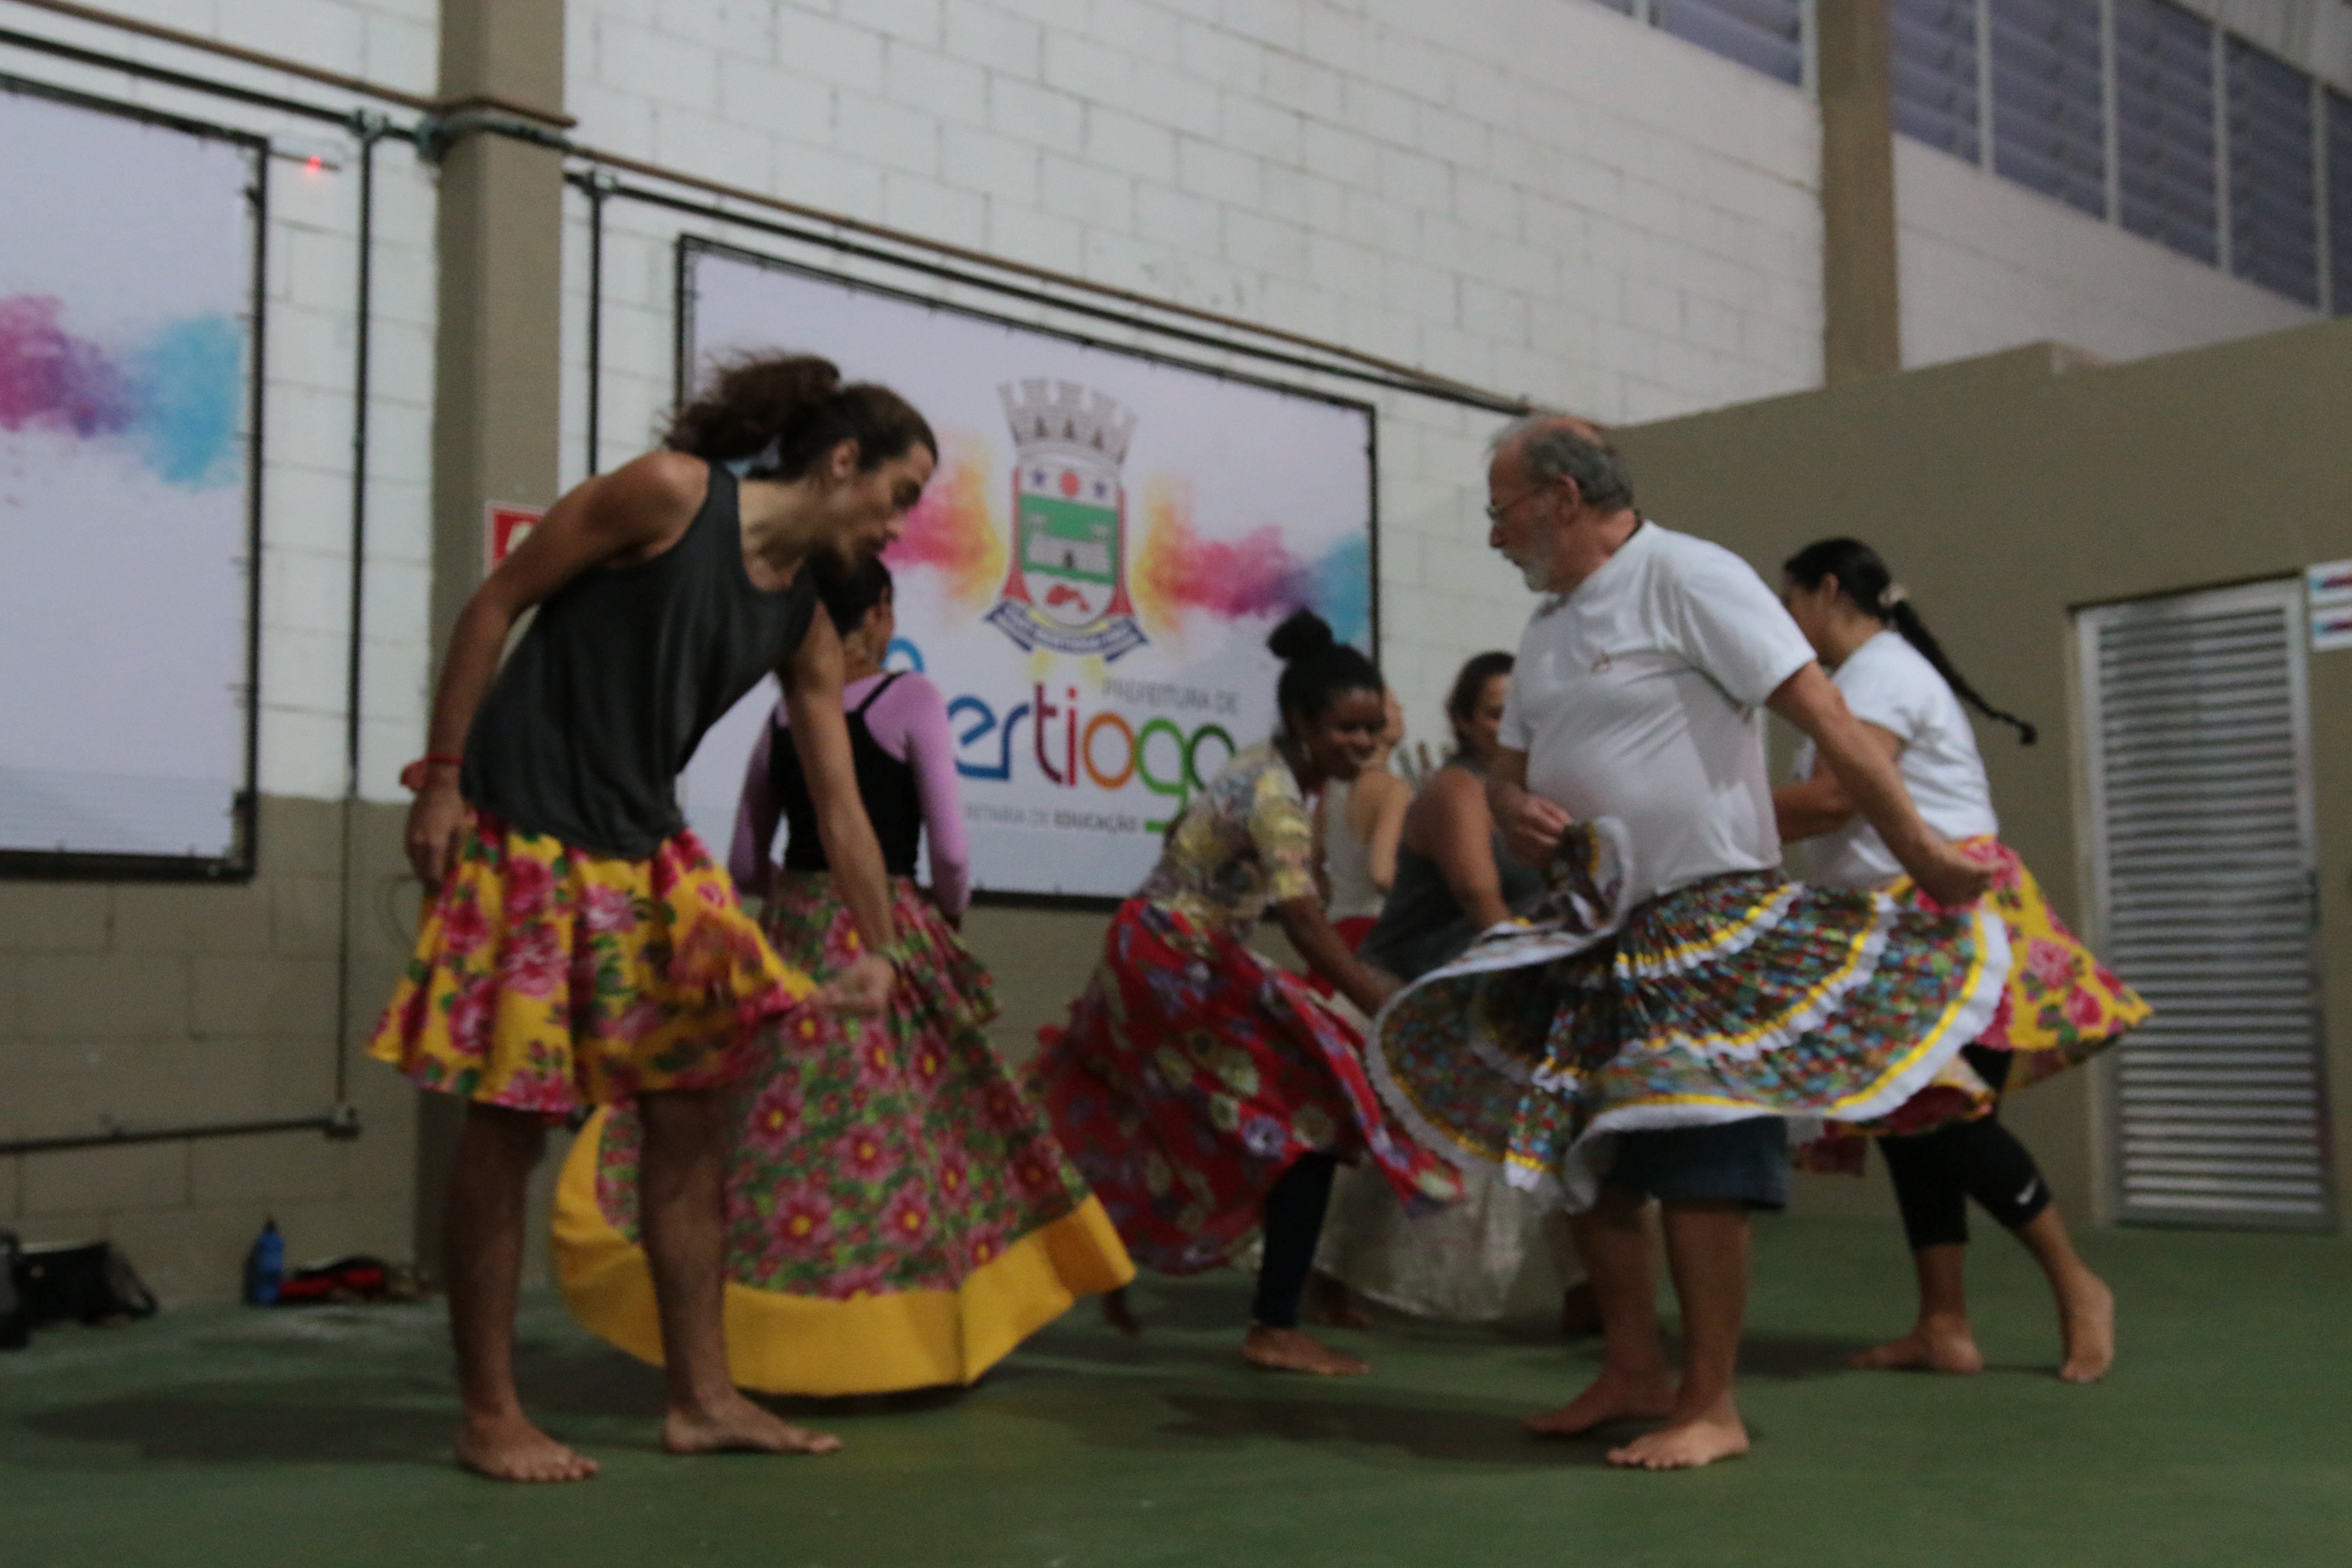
point(546, 979)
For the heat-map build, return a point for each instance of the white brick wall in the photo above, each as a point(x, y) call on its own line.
point(1534, 195)
point(1988, 265)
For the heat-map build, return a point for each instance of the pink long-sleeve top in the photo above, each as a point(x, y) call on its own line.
point(909, 722)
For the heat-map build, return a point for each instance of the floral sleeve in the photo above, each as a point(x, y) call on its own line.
point(1284, 835)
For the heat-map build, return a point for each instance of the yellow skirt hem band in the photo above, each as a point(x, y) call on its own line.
point(780, 1343)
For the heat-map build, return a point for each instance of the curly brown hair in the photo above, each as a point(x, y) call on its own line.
point(785, 412)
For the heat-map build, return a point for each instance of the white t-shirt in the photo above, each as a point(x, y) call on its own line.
point(1889, 683)
point(1638, 694)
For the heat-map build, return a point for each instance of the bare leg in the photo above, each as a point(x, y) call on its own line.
point(2087, 1308)
point(1634, 1383)
point(681, 1197)
point(1706, 1247)
point(1942, 1340)
point(487, 1183)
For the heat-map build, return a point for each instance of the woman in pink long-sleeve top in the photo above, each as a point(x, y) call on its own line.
point(898, 1213)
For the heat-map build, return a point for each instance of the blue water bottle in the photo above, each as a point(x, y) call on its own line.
point(265, 1266)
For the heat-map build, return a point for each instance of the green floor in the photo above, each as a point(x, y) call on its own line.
point(222, 1436)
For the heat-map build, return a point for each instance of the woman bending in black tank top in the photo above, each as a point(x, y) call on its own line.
point(581, 947)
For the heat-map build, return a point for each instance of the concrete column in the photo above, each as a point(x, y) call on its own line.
point(498, 355)
point(1862, 332)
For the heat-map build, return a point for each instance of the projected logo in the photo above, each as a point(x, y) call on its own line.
point(1067, 589)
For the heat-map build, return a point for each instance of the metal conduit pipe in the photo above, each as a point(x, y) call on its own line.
point(339, 1122)
point(448, 121)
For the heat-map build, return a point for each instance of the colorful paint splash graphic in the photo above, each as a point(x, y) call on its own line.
point(952, 530)
point(1178, 574)
point(171, 399)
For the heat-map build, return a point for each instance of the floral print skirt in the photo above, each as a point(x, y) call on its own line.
point(1741, 995)
point(546, 979)
point(1192, 1073)
point(2061, 1009)
point(899, 1214)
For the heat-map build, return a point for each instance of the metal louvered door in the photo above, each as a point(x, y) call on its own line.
point(2204, 881)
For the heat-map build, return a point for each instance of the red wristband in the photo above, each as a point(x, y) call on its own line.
point(413, 776)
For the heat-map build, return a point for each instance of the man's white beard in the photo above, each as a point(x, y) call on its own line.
point(1536, 569)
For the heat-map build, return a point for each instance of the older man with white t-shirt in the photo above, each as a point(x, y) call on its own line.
point(1639, 695)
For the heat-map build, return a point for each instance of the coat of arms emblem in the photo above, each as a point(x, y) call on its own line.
point(1067, 589)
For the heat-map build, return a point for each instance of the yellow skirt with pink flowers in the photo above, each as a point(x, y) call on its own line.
point(547, 979)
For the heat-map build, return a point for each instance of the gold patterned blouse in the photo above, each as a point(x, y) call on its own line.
point(1245, 842)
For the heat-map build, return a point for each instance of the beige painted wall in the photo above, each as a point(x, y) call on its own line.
point(2008, 489)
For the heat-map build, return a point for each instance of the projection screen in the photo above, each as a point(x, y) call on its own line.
point(1092, 574)
point(129, 329)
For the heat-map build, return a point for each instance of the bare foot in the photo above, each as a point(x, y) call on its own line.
point(1614, 1396)
point(1329, 1303)
point(510, 1448)
point(2088, 1326)
point(1684, 1446)
point(1936, 1345)
point(1579, 1314)
point(1120, 1314)
point(1288, 1349)
point(733, 1425)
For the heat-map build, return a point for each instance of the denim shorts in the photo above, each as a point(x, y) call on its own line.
point(1744, 1162)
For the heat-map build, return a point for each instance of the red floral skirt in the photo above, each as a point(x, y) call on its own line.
point(1192, 1073)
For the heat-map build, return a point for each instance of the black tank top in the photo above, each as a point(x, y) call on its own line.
point(884, 783)
point(600, 706)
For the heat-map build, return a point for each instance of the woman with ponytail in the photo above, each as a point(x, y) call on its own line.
point(1206, 1094)
point(1946, 1144)
point(581, 947)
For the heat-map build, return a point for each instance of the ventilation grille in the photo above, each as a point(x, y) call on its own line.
point(2273, 238)
point(2205, 855)
point(2340, 198)
point(1768, 36)
point(1936, 85)
point(2164, 127)
point(2049, 99)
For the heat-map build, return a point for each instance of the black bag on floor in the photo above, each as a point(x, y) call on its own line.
point(15, 1321)
point(81, 1282)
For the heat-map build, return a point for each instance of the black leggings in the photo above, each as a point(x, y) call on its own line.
point(1937, 1173)
point(1293, 1223)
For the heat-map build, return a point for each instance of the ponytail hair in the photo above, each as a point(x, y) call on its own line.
point(1316, 666)
point(1864, 582)
point(780, 415)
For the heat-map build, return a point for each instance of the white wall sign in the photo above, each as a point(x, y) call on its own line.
point(1092, 574)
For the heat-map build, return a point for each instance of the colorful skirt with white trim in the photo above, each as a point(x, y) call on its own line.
point(899, 1214)
point(547, 979)
point(2062, 1007)
point(1745, 995)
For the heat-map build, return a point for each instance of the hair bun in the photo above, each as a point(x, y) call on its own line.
point(1302, 635)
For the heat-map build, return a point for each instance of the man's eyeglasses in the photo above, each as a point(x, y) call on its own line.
point(1498, 513)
